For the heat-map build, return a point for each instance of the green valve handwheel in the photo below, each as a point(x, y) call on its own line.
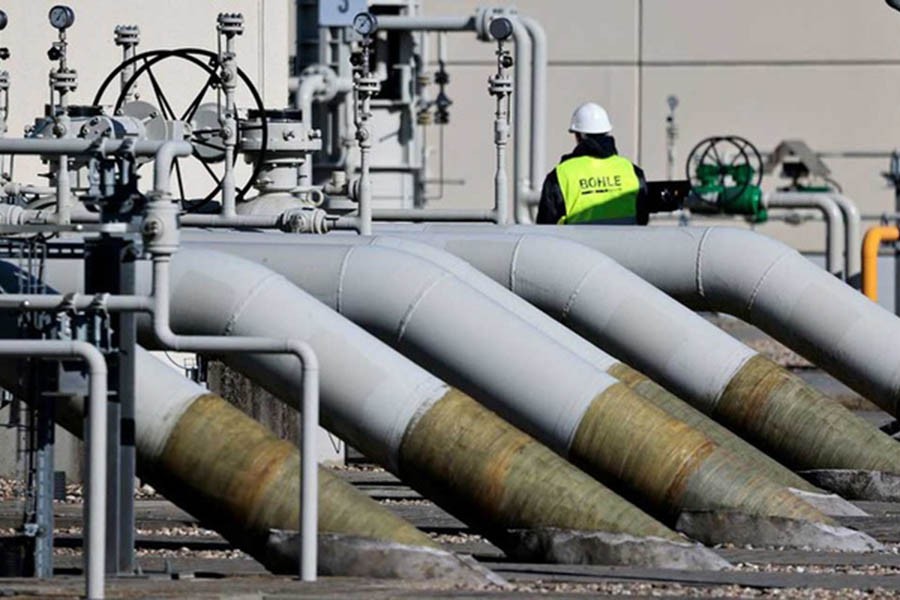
point(725, 173)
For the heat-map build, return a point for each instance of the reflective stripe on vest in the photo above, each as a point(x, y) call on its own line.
point(598, 189)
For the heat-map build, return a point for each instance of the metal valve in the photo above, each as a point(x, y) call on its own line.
point(230, 24)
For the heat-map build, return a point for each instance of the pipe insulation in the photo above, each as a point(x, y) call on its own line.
point(770, 285)
point(445, 325)
point(439, 440)
point(643, 385)
point(215, 462)
point(610, 306)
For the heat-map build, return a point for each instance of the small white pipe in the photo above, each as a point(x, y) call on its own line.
point(520, 124)
point(853, 238)
point(309, 403)
point(834, 223)
point(95, 503)
point(538, 143)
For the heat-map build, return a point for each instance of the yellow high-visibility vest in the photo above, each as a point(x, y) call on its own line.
point(598, 189)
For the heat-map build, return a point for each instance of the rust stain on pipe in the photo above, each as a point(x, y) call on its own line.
point(476, 462)
point(803, 428)
point(671, 404)
point(230, 471)
point(669, 466)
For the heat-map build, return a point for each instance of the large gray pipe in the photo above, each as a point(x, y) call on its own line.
point(495, 477)
point(564, 336)
point(205, 455)
point(628, 317)
point(201, 453)
point(436, 318)
point(770, 285)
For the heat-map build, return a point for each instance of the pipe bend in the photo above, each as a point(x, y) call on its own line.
point(871, 245)
point(364, 264)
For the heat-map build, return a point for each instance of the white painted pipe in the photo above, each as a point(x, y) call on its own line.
point(95, 501)
point(763, 282)
point(835, 228)
point(535, 382)
point(853, 240)
point(309, 394)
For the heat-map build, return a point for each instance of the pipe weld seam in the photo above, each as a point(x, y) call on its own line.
point(513, 264)
point(407, 316)
point(345, 264)
point(570, 301)
point(235, 315)
point(762, 280)
point(698, 263)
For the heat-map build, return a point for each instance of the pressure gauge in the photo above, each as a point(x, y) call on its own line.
point(61, 17)
point(3, 20)
point(365, 24)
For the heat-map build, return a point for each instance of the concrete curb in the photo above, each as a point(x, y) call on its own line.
point(857, 484)
point(564, 546)
point(352, 556)
point(720, 527)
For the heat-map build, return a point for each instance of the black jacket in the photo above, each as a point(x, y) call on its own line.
point(553, 207)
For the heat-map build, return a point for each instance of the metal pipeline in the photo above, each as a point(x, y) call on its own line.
point(596, 357)
point(446, 326)
point(834, 224)
point(530, 41)
point(396, 413)
point(95, 501)
point(870, 249)
point(718, 375)
point(216, 462)
point(853, 231)
point(768, 284)
point(538, 144)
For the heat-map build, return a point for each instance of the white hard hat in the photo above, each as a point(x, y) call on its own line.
point(590, 117)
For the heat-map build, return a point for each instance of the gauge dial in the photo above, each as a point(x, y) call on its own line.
point(364, 24)
point(61, 17)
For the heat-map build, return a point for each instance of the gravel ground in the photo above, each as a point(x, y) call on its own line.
point(818, 569)
point(680, 591)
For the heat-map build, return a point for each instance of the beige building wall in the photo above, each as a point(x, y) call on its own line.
point(262, 52)
point(826, 71)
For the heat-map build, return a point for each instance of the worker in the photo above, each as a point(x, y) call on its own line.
point(593, 184)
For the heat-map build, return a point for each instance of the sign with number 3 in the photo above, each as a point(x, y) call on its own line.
point(340, 13)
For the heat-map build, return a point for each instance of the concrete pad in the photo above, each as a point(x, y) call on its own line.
point(564, 546)
point(857, 484)
point(722, 527)
point(830, 504)
point(352, 556)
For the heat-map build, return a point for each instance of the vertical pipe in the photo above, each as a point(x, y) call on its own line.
point(309, 495)
point(95, 503)
point(520, 123)
point(870, 248)
point(852, 244)
point(538, 107)
point(63, 207)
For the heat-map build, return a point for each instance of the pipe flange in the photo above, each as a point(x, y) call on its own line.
point(127, 35)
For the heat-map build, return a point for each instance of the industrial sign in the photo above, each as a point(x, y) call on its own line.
point(340, 13)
